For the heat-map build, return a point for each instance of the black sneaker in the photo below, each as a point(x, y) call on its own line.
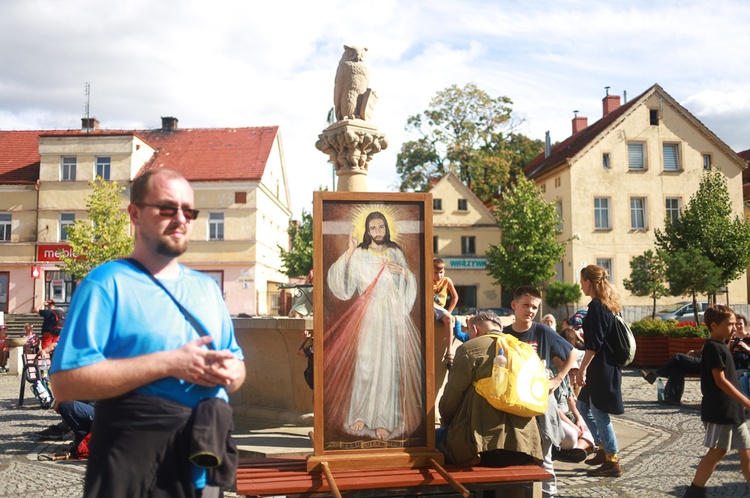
point(670, 402)
point(573, 455)
point(53, 433)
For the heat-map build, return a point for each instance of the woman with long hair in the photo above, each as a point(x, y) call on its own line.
point(602, 389)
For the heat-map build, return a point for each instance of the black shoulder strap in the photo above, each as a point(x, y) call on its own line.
point(189, 316)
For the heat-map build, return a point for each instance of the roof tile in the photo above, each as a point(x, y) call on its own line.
point(200, 154)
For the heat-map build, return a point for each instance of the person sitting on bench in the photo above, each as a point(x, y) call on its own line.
point(473, 432)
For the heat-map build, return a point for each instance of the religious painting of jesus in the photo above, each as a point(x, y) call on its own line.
point(374, 375)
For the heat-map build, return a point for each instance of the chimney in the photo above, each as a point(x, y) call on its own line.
point(89, 124)
point(610, 102)
point(579, 122)
point(168, 123)
point(547, 145)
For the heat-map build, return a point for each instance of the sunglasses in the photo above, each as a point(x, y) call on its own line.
point(170, 211)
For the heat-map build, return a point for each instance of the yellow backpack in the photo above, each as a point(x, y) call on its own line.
point(522, 387)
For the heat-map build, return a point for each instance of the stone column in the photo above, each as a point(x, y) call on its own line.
point(350, 145)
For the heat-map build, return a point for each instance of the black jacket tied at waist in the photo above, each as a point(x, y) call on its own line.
point(141, 446)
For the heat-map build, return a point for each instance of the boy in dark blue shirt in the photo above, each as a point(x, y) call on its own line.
point(547, 343)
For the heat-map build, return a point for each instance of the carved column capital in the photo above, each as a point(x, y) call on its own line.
point(350, 145)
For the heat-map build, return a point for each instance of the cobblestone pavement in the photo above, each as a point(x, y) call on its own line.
point(662, 445)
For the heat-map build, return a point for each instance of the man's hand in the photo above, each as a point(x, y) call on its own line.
point(352, 244)
point(202, 366)
point(554, 383)
point(581, 377)
point(395, 268)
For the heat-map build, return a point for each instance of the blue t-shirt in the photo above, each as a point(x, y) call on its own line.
point(119, 312)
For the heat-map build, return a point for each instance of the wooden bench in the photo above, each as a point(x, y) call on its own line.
point(288, 476)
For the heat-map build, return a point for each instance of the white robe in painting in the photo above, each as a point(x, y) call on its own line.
point(387, 382)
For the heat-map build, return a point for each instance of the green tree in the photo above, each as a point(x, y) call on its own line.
point(529, 250)
point(468, 133)
point(648, 274)
point(103, 236)
point(562, 294)
point(707, 225)
point(691, 273)
point(298, 261)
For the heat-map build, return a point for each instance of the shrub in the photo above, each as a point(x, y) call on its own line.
point(649, 327)
point(681, 330)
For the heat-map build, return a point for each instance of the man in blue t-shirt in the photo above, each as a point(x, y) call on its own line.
point(127, 344)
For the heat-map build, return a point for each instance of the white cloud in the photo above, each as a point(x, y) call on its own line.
point(239, 63)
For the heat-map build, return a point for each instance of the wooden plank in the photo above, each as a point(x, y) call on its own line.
point(288, 476)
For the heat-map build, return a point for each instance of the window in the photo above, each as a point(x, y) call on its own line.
point(240, 197)
point(601, 213)
point(558, 182)
point(68, 168)
point(4, 288)
point(217, 275)
point(673, 209)
point(463, 205)
point(653, 117)
point(5, 224)
point(434, 244)
point(606, 161)
point(102, 167)
point(638, 213)
point(606, 263)
point(671, 157)
point(468, 246)
point(215, 226)
point(558, 209)
point(467, 298)
point(543, 188)
point(66, 220)
point(706, 161)
point(437, 204)
point(636, 156)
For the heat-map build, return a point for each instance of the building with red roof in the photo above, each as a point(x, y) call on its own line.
point(617, 180)
point(240, 184)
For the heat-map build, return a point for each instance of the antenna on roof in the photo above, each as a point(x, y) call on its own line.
point(86, 106)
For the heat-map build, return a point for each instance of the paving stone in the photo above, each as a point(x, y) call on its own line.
point(664, 445)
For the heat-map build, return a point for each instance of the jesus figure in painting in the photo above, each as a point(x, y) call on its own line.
point(378, 335)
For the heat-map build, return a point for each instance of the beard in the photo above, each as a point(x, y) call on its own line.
point(380, 241)
point(171, 249)
point(167, 246)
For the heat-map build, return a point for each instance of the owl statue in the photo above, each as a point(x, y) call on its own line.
point(352, 79)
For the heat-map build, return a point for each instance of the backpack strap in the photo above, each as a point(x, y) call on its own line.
point(188, 316)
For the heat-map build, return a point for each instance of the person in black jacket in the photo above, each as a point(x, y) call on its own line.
point(601, 393)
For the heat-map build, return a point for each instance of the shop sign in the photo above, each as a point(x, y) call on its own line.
point(52, 252)
point(465, 263)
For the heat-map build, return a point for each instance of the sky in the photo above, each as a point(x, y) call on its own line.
point(240, 63)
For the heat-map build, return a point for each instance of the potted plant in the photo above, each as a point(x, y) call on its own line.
point(651, 342)
point(686, 336)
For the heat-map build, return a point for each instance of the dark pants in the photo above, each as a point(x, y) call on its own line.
point(79, 416)
point(675, 370)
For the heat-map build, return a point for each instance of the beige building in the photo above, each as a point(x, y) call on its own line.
point(240, 184)
point(616, 180)
point(463, 229)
